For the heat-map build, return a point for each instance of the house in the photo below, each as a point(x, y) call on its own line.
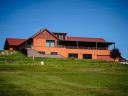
point(58, 45)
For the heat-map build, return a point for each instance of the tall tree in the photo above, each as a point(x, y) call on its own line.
point(115, 53)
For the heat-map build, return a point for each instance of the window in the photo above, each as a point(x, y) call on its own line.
point(61, 37)
point(73, 55)
point(29, 44)
point(54, 53)
point(50, 43)
point(87, 56)
point(41, 52)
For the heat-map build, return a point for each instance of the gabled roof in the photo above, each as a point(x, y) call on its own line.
point(37, 33)
point(71, 38)
point(18, 42)
point(14, 41)
point(43, 31)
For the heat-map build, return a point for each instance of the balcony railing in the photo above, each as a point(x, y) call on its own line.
point(75, 47)
point(83, 47)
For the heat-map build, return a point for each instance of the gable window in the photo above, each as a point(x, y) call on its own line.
point(54, 53)
point(50, 43)
point(61, 37)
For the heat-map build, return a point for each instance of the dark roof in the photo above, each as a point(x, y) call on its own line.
point(59, 33)
point(15, 41)
point(84, 39)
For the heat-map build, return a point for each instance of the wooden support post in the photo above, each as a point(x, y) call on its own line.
point(77, 44)
point(57, 45)
point(96, 45)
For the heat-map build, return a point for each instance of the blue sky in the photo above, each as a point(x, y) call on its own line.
point(87, 18)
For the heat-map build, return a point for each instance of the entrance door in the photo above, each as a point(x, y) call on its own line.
point(87, 56)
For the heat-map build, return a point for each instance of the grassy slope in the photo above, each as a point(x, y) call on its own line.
point(21, 76)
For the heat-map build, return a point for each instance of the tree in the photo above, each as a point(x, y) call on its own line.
point(115, 53)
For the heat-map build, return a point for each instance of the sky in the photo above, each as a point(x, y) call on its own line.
point(106, 19)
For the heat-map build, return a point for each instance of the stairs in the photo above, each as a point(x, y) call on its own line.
point(32, 52)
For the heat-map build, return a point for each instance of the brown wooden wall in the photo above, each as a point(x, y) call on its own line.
point(41, 38)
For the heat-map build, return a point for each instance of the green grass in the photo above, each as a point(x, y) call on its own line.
point(21, 76)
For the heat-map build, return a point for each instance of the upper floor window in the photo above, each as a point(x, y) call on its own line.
point(61, 37)
point(50, 43)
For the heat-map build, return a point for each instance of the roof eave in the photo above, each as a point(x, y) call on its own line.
point(89, 41)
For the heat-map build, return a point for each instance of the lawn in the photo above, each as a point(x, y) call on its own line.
point(21, 76)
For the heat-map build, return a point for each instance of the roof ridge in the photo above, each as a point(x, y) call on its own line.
point(59, 32)
point(86, 37)
point(14, 41)
point(16, 38)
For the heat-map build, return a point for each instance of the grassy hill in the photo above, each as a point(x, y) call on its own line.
point(21, 76)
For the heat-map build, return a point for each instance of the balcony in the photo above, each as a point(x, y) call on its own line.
point(83, 47)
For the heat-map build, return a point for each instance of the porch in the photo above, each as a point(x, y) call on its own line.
point(84, 45)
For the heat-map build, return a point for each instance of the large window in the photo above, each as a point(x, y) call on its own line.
point(73, 55)
point(87, 56)
point(50, 43)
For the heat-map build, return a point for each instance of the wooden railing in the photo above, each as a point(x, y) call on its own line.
point(83, 47)
point(75, 47)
